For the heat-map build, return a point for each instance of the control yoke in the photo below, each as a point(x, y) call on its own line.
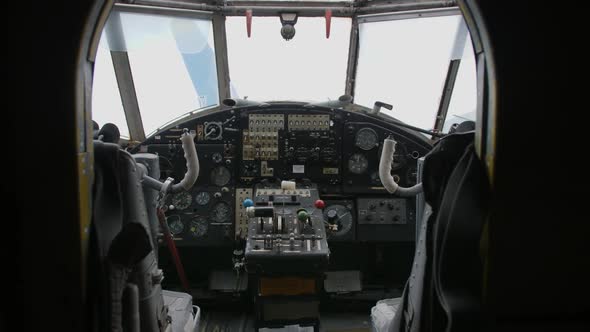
point(192, 169)
point(385, 172)
point(190, 177)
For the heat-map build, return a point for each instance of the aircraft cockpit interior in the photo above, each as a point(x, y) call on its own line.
point(272, 165)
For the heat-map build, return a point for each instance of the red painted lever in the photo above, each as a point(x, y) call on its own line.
point(173, 251)
point(249, 22)
point(328, 22)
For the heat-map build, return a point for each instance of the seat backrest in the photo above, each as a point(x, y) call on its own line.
point(456, 265)
point(122, 251)
point(444, 282)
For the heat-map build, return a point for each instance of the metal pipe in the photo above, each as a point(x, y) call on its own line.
point(398, 7)
point(151, 183)
point(273, 8)
point(178, 5)
point(220, 41)
point(353, 50)
point(162, 9)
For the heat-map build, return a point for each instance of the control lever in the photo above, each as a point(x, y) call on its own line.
point(378, 105)
point(192, 167)
point(385, 172)
point(238, 262)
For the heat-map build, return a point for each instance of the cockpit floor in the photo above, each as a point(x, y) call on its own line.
point(329, 322)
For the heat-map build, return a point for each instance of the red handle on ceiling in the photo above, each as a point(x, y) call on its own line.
point(249, 22)
point(328, 22)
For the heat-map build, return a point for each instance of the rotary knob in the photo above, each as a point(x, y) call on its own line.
point(332, 216)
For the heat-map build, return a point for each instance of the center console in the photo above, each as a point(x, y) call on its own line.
point(286, 252)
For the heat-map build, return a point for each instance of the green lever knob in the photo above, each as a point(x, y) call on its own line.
point(302, 215)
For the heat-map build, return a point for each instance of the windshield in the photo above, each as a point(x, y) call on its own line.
point(307, 67)
point(404, 63)
point(173, 69)
point(172, 62)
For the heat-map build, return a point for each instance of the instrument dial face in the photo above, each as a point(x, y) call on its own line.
point(175, 224)
point(217, 157)
point(220, 176)
point(198, 226)
point(213, 131)
point(343, 218)
point(358, 163)
point(366, 139)
point(203, 198)
point(182, 200)
point(221, 213)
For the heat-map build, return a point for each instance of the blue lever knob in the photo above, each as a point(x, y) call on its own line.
point(248, 202)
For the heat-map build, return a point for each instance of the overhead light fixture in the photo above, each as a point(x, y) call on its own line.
point(288, 21)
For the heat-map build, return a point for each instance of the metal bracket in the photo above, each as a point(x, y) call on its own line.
point(163, 193)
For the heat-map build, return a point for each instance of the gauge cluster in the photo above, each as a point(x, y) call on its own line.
point(337, 150)
point(365, 140)
point(204, 216)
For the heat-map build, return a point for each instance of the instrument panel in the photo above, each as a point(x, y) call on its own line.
point(336, 150)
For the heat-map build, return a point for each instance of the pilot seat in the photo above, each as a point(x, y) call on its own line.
point(125, 291)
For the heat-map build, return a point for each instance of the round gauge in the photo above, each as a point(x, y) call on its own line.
point(198, 226)
point(366, 139)
point(182, 200)
point(220, 176)
point(217, 157)
point(220, 213)
point(213, 130)
point(358, 163)
point(202, 198)
point(175, 225)
point(340, 216)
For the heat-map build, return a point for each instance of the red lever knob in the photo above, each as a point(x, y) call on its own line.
point(320, 204)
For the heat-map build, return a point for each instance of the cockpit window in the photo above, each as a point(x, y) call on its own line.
point(404, 63)
point(106, 101)
point(307, 67)
point(172, 62)
point(464, 98)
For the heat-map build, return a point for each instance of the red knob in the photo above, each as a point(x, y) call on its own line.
point(320, 204)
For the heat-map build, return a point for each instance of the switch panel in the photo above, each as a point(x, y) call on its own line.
point(309, 122)
point(241, 217)
point(261, 141)
point(382, 211)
